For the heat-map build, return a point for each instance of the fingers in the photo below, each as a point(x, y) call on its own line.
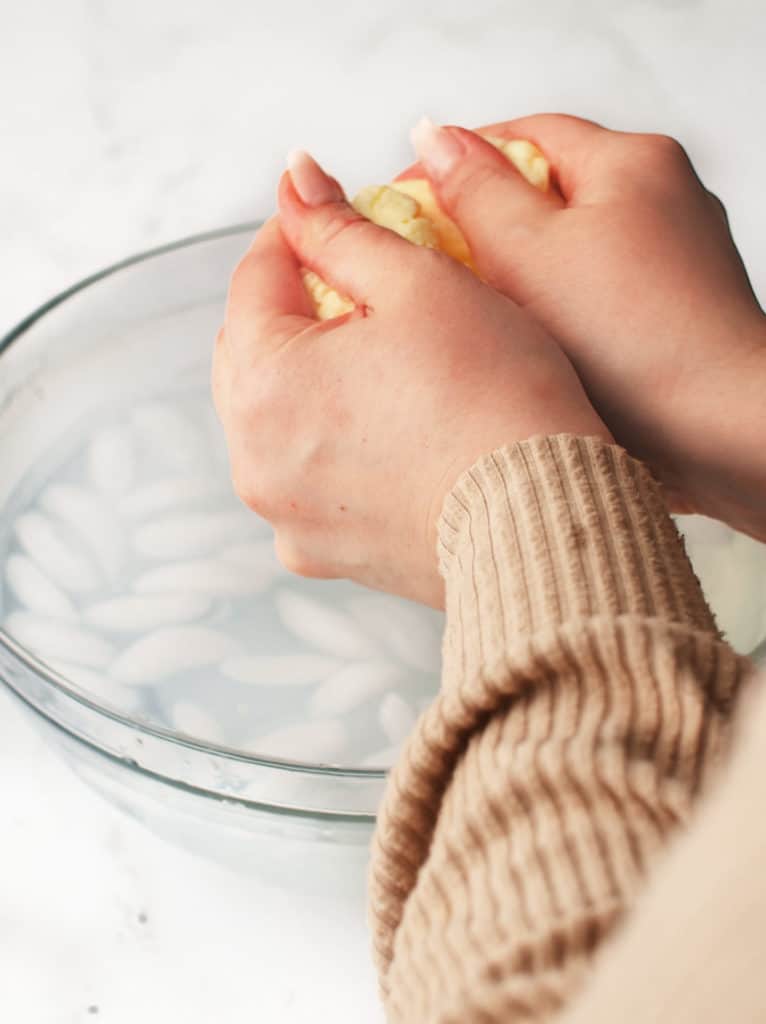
point(355, 256)
point(267, 301)
point(472, 174)
point(494, 206)
point(571, 145)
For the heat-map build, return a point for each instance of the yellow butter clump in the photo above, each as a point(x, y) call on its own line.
point(449, 234)
point(327, 302)
point(392, 208)
point(526, 158)
point(409, 208)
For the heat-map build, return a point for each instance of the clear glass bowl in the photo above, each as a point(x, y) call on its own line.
point(106, 344)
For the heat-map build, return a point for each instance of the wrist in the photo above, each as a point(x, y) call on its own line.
point(723, 472)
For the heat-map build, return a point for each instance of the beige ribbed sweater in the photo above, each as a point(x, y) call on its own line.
point(586, 694)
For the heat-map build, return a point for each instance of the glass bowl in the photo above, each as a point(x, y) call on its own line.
point(115, 503)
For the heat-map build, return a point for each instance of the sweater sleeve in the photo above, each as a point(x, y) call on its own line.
point(586, 693)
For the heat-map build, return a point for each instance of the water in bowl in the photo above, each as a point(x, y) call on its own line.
point(133, 570)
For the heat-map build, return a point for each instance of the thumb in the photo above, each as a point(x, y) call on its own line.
point(329, 237)
point(481, 190)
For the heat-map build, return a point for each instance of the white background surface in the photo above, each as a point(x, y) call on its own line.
point(124, 125)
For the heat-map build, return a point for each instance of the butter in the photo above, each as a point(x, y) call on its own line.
point(409, 208)
point(327, 301)
point(392, 207)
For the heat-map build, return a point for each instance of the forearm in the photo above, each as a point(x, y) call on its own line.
point(697, 932)
point(585, 695)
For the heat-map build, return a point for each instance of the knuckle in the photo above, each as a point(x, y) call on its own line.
point(297, 560)
point(663, 150)
point(338, 225)
point(653, 164)
point(719, 207)
point(475, 176)
point(244, 487)
point(240, 273)
point(251, 478)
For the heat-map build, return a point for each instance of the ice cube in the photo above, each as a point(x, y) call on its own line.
point(134, 613)
point(92, 519)
point(112, 460)
point(306, 741)
point(410, 631)
point(328, 629)
point(169, 435)
point(168, 651)
point(279, 670)
point(187, 536)
point(32, 588)
point(49, 548)
point(384, 758)
point(194, 721)
point(396, 718)
point(49, 638)
point(171, 493)
point(99, 686)
point(352, 685)
point(258, 555)
point(202, 576)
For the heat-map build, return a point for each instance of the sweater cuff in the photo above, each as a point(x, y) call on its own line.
point(553, 530)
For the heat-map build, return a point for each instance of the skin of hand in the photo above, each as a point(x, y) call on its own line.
point(347, 434)
point(629, 263)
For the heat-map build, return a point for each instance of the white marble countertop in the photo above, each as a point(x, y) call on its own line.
point(128, 125)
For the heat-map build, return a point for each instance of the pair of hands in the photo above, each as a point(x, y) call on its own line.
point(348, 434)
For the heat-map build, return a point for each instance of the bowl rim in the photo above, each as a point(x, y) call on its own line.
point(70, 689)
point(112, 268)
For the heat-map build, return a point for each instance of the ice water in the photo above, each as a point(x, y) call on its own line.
point(132, 569)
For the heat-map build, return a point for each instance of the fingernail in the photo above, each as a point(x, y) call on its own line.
point(310, 181)
point(438, 148)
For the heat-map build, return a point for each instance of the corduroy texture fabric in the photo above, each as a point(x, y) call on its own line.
point(586, 693)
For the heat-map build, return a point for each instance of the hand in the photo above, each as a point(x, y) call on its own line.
point(629, 263)
point(348, 434)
